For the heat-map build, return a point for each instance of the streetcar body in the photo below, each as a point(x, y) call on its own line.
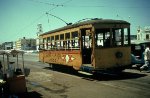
point(93, 45)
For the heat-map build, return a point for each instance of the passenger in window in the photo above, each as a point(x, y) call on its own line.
point(107, 42)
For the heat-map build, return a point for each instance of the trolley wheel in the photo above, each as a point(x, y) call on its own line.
point(95, 75)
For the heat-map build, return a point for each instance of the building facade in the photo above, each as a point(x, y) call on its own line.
point(25, 44)
point(143, 34)
point(7, 46)
point(1, 47)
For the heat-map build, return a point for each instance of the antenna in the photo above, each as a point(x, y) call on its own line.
point(58, 18)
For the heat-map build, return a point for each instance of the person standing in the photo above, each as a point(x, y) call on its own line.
point(147, 59)
point(1, 70)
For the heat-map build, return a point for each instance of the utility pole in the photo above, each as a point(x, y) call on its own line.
point(40, 31)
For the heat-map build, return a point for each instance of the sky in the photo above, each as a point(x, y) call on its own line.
point(19, 18)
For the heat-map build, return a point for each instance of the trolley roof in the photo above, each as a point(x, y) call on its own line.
point(88, 22)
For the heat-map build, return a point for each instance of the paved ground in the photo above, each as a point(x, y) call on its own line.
point(46, 83)
point(61, 85)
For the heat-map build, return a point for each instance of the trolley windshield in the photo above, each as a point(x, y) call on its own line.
point(112, 37)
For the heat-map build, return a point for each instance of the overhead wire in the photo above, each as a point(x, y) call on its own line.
point(51, 4)
point(63, 5)
point(107, 6)
point(47, 13)
point(55, 6)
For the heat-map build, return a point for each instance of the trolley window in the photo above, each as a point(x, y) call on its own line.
point(52, 42)
point(75, 40)
point(61, 36)
point(57, 42)
point(74, 34)
point(48, 43)
point(61, 41)
point(57, 37)
point(41, 45)
point(102, 38)
point(45, 43)
point(48, 39)
point(67, 35)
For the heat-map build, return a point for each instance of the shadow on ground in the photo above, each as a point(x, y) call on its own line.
point(120, 76)
point(100, 76)
point(32, 94)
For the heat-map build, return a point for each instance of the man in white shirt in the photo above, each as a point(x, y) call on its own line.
point(147, 60)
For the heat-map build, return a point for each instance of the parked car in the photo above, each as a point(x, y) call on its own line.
point(137, 52)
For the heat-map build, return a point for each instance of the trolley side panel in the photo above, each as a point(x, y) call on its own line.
point(112, 57)
point(68, 58)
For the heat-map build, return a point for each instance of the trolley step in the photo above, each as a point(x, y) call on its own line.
point(85, 73)
point(87, 68)
point(88, 65)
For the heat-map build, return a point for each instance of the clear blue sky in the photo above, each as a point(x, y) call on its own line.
point(19, 18)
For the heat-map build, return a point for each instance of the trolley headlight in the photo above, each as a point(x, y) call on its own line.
point(119, 54)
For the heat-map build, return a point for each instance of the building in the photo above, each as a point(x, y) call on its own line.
point(143, 34)
point(26, 44)
point(147, 33)
point(7, 45)
point(0, 46)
